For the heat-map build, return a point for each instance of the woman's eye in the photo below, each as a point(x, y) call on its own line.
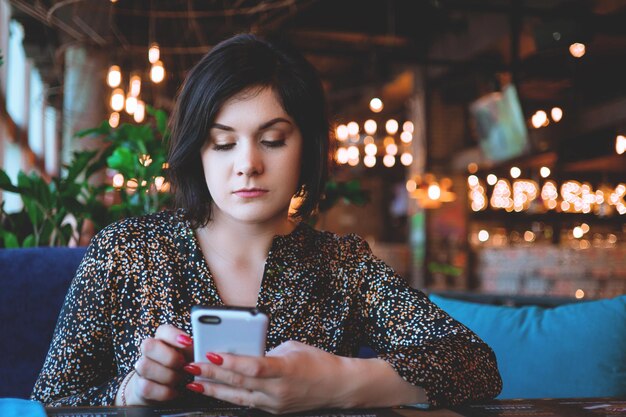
point(222, 146)
point(273, 143)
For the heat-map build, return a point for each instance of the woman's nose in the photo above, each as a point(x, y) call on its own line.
point(249, 161)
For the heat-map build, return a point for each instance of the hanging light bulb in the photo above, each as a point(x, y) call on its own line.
point(154, 53)
point(391, 126)
point(376, 105)
point(114, 119)
point(370, 127)
point(135, 85)
point(117, 99)
point(157, 72)
point(114, 76)
point(140, 111)
point(131, 104)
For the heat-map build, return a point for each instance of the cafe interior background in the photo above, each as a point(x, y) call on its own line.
point(478, 144)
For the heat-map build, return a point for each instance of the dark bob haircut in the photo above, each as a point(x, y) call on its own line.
point(242, 62)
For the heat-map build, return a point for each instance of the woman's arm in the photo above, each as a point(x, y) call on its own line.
point(80, 368)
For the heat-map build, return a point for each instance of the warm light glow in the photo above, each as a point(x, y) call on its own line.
point(578, 232)
point(391, 126)
point(114, 77)
point(353, 161)
point(140, 111)
point(472, 180)
point(515, 172)
point(557, 114)
point(370, 127)
point(353, 128)
point(539, 119)
point(376, 105)
point(620, 144)
point(407, 126)
point(544, 172)
point(483, 235)
point(353, 152)
point(492, 179)
point(158, 183)
point(145, 160)
point(388, 141)
point(529, 236)
point(406, 137)
point(411, 186)
point(342, 156)
point(472, 167)
point(371, 149)
point(369, 161)
point(368, 139)
point(118, 180)
point(389, 161)
point(579, 294)
point(585, 228)
point(342, 132)
point(135, 86)
point(391, 149)
point(577, 49)
point(117, 99)
point(406, 159)
point(154, 53)
point(131, 104)
point(434, 191)
point(157, 72)
point(114, 119)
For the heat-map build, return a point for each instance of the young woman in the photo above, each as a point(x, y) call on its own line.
point(248, 133)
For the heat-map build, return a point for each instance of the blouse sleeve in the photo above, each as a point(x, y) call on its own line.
point(419, 340)
point(80, 367)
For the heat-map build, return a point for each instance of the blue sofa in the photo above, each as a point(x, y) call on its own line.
point(545, 347)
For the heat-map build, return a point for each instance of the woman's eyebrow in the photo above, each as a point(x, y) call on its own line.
point(261, 127)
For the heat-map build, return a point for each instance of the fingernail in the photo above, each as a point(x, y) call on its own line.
point(183, 339)
point(192, 369)
point(192, 386)
point(215, 358)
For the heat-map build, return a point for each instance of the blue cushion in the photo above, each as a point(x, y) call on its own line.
point(16, 407)
point(33, 284)
point(574, 350)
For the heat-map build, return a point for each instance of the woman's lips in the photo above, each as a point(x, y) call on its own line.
point(252, 193)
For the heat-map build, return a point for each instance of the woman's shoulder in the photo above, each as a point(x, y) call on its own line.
point(150, 227)
point(341, 244)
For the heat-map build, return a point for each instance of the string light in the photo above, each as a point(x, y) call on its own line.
point(117, 99)
point(391, 126)
point(557, 114)
point(342, 132)
point(135, 85)
point(157, 72)
point(131, 104)
point(114, 119)
point(620, 144)
point(544, 172)
point(370, 127)
point(114, 76)
point(154, 53)
point(353, 129)
point(140, 111)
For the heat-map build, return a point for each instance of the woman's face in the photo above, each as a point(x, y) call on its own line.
point(251, 160)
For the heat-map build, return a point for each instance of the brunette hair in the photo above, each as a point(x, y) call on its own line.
point(239, 63)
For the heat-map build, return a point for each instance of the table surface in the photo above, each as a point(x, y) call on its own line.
point(586, 407)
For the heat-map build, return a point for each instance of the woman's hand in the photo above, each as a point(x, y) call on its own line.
point(159, 369)
point(292, 377)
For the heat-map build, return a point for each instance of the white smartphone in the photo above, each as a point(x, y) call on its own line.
point(227, 329)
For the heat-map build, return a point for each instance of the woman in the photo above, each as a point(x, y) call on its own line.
point(248, 133)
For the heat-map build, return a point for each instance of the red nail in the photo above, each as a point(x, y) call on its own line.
point(192, 386)
point(192, 369)
point(183, 339)
point(215, 358)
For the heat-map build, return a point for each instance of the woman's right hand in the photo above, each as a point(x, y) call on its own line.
point(159, 369)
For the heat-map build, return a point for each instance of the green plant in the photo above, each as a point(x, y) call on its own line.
point(55, 212)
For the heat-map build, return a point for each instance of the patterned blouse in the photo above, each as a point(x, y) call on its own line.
point(318, 288)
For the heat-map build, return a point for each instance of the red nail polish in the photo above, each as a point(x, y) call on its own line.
point(192, 386)
point(183, 339)
point(192, 369)
point(215, 358)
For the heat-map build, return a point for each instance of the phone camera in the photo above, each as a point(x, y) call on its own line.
point(210, 320)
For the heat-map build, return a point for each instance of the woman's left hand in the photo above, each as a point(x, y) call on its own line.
point(292, 377)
